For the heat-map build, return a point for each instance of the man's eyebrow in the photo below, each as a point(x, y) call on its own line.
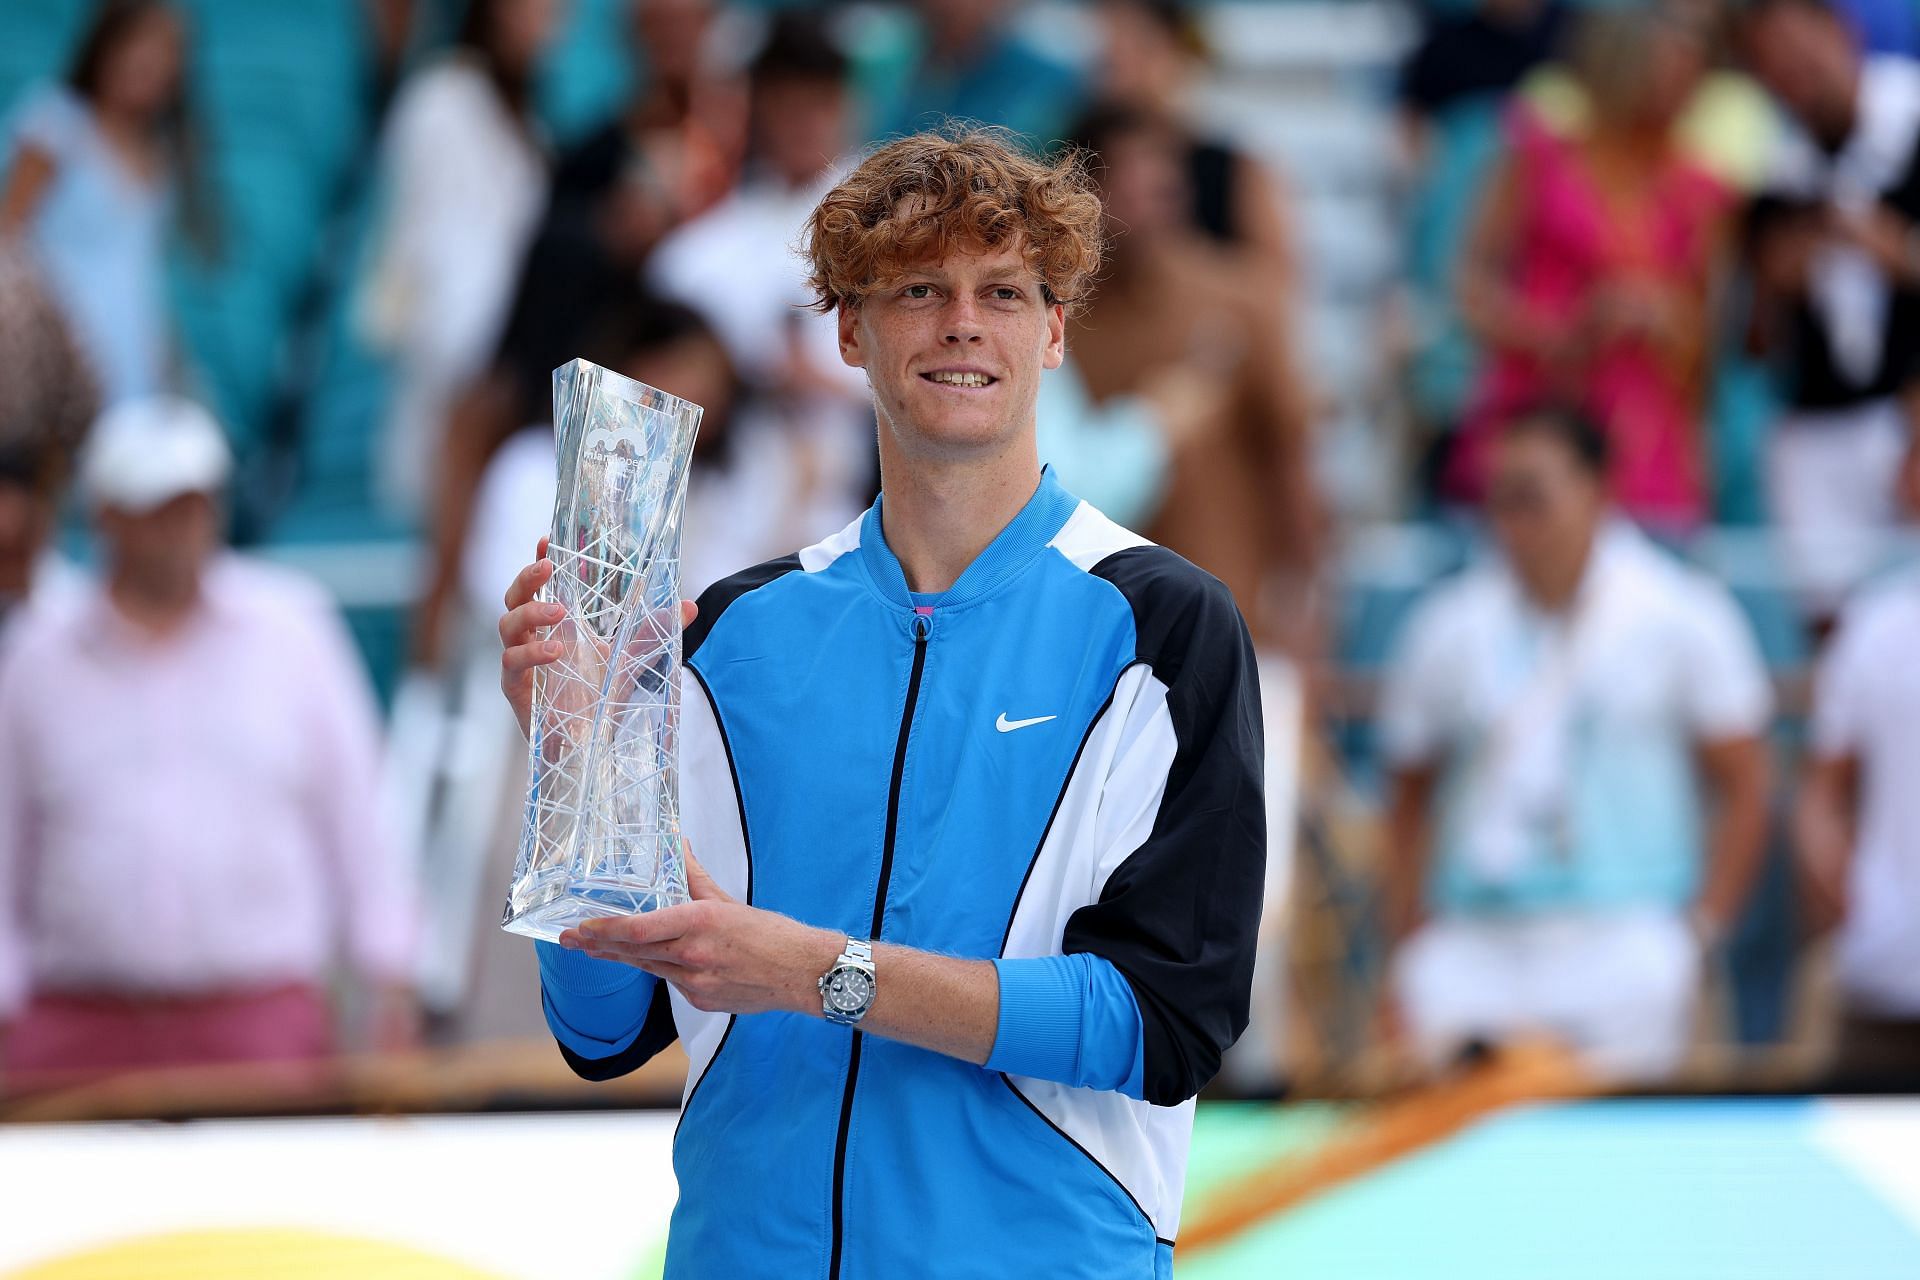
point(938, 275)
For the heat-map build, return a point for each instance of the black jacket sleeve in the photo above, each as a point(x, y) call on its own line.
point(1179, 917)
point(656, 1033)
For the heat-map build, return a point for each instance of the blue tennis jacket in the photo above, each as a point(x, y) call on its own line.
point(1055, 764)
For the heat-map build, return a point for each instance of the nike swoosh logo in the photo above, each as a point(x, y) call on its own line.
point(1005, 725)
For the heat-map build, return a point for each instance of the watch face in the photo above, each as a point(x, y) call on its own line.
point(849, 990)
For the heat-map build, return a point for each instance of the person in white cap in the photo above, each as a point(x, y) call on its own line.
point(188, 756)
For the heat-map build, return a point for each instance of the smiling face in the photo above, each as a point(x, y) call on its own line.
point(953, 350)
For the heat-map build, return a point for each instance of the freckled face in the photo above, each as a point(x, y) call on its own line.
point(953, 351)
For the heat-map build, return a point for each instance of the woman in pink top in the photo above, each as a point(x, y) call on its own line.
point(1590, 272)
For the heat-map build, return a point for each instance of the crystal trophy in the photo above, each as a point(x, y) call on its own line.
point(601, 830)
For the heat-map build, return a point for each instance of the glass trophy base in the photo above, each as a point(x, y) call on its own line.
point(582, 902)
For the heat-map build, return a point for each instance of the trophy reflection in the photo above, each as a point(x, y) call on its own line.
point(601, 831)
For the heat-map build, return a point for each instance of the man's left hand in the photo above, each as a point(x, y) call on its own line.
point(723, 956)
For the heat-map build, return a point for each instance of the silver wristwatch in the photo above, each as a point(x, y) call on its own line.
point(847, 989)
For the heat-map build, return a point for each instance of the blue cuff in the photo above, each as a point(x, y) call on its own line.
point(594, 1007)
point(1072, 1019)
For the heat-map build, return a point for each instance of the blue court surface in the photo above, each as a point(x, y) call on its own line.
point(1689, 1189)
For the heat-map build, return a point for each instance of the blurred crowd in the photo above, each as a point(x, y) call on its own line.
point(1657, 274)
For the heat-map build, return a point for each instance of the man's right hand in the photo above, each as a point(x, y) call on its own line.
point(524, 645)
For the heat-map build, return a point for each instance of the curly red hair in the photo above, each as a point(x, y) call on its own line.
point(967, 186)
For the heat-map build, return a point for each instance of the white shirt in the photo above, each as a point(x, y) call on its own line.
point(739, 265)
point(464, 185)
point(195, 813)
point(1580, 729)
point(1867, 705)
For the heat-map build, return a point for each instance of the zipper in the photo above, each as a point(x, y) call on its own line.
point(920, 627)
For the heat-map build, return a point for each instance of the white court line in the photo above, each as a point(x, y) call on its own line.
point(1879, 1140)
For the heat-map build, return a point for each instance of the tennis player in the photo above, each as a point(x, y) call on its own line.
point(974, 788)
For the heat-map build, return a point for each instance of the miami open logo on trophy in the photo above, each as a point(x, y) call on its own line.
point(601, 834)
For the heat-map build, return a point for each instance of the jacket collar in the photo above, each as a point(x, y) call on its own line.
point(1011, 550)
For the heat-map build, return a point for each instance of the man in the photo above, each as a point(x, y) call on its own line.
point(187, 787)
point(1553, 725)
point(735, 264)
point(984, 732)
point(1837, 264)
point(1859, 822)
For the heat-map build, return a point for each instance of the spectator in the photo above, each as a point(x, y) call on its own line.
point(739, 260)
point(1838, 276)
point(739, 266)
point(1118, 451)
point(465, 177)
point(186, 792)
point(670, 154)
point(1453, 92)
point(1154, 53)
point(1859, 826)
point(971, 64)
point(691, 117)
point(95, 166)
point(1542, 725)
point(1590, 272)
point(1176, 324)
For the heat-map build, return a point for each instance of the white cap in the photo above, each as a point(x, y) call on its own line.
point(146, 452)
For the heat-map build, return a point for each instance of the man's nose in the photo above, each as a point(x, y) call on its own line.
point(962, 322)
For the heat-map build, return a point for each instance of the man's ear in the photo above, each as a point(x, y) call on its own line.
point(851, 354)
point(1056, 351)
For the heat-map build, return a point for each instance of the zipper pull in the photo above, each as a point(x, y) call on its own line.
point(920, 630)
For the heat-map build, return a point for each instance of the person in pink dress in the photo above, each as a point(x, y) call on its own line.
point(1590, 272)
